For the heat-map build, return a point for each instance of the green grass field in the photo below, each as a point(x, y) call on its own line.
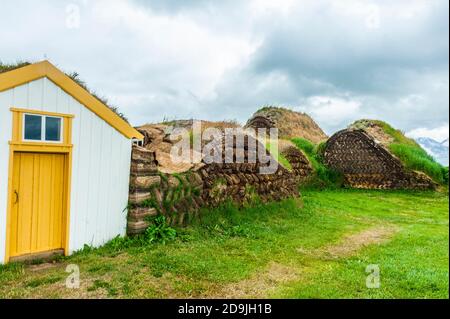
point(315, 248)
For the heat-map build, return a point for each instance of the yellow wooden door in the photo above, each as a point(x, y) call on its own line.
point(38, 210)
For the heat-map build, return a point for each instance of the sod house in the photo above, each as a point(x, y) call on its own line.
point(364, 154)
point(290, 124)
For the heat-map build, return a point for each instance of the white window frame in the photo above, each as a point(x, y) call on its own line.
point(43, 128)
point(137, 142)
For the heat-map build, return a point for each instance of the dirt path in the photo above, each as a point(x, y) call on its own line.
point(351, 244)
point(262, 284)
point(259, 285)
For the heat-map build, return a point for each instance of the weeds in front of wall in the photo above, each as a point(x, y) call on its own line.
point(226, 231)
point(158, 232)
point(231, 220)
point(171, 197)
point(251, 197)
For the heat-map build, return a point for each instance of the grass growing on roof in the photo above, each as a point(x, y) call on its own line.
point(280, 158)
point(412, 155)
point(6, 67)
point(397, 135)
point(415, 158)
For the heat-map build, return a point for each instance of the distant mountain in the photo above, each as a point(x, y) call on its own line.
point(439, 150)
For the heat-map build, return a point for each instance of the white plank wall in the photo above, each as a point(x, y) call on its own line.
point(100, 165)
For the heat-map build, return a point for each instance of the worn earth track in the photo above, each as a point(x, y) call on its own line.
point(264, 283)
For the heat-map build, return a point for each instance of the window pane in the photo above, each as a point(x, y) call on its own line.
point(53, 129)
point(33, 127)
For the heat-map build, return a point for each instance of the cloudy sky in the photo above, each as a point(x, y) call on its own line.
point(173, 59)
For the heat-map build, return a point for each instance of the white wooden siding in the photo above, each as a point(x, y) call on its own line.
point(100, 165)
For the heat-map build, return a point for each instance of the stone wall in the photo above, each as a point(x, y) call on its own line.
point(144, 177)
point(180, 196)
point(369, 165)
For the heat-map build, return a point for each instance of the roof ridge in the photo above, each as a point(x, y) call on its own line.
point(32, 72)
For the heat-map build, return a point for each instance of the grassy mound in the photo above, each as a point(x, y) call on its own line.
point(323, 176)
point(412, 155)
point(290, 124)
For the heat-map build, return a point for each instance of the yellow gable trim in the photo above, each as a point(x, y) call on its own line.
point(11, 79)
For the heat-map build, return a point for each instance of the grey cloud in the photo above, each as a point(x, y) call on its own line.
point(397, 72)
point(325, 46)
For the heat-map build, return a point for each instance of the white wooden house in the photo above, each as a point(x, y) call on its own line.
point(64, 165)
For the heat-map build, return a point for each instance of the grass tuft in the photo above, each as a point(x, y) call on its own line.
point(6, 67)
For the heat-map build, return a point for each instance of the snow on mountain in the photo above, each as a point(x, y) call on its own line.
point(439, 151)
